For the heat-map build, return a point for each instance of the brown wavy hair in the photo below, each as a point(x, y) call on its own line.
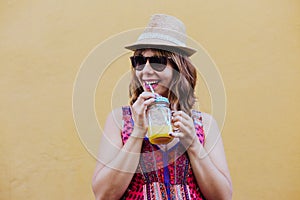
point(181, 91)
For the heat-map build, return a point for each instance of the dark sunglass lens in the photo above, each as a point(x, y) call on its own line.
point(158, 63)
point(133, 61)
point(158, 67)
point(159, 60)
point(138, 62)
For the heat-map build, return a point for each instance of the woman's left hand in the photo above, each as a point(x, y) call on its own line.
point(185, 129)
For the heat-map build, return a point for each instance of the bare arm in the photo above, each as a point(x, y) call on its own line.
point(208, 162)
point(117, 162)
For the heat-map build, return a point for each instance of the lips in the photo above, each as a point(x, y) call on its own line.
point(153, 83)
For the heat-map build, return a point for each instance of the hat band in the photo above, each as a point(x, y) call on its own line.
point(160, 36)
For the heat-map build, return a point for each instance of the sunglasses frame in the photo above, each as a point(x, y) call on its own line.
point(158, 63)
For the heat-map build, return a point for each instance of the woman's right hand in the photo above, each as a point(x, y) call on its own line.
point(139, 109)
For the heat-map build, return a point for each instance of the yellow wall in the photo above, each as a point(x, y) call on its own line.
point(255, 44)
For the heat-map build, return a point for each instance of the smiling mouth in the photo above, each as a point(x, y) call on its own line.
point(153, 84)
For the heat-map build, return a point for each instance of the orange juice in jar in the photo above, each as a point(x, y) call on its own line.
point(159, 121)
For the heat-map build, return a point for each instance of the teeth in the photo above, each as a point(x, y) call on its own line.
point(151, 82)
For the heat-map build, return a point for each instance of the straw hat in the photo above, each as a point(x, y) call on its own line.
point(163, 32)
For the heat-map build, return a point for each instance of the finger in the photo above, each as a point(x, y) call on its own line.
point(184, 121)
point(181, 114)
point(182, 128)
point(183, 117)
point(175, 129)
point(146, 95)
point(148, 102)
point(176, 134)
point(140, 102)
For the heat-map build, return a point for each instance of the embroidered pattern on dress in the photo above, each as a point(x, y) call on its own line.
point(149, 181)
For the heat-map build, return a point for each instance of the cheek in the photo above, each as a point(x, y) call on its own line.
point(138, 77)
point(169, 76)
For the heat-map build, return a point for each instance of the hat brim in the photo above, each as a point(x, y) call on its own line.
point(163, 45)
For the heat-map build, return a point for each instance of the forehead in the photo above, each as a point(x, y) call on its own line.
point(151, 52)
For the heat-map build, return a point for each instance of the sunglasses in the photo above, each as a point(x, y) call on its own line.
point(158, 63)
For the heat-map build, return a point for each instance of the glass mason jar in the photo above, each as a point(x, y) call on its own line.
point(159, 121)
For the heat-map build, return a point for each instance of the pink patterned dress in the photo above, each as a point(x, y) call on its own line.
point(162, 175)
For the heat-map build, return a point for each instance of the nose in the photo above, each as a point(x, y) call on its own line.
point(148, 68)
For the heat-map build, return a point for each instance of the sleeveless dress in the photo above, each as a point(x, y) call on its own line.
point(162, 175)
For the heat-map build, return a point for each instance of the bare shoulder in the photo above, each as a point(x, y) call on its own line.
point(207, 118)
point(111, 140)
point(209, 122)
point(113, 127)
point(116, 116)
point(211, 130)
point(111, 137)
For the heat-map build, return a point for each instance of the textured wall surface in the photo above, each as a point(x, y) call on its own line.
point(255, 44)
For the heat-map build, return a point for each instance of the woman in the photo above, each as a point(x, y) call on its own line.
point(193, 165)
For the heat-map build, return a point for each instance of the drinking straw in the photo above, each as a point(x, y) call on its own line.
point(151, 88)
